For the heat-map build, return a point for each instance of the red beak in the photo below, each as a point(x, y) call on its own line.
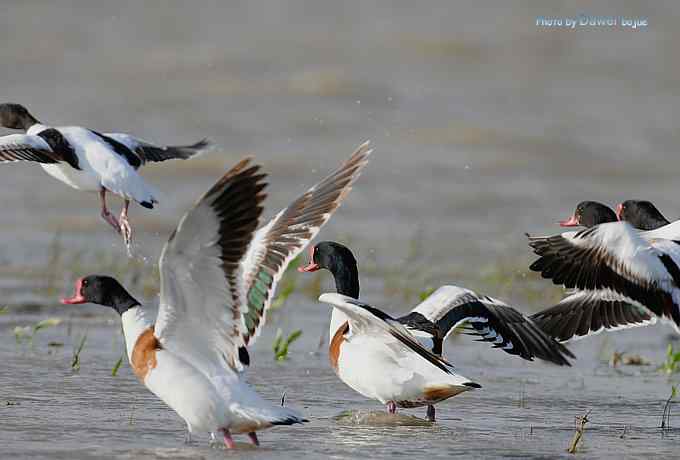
point(311, 266)
point(77, 297)
point(571, 222)
point(619, 211)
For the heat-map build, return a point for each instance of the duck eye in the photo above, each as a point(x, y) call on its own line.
point(85, 282)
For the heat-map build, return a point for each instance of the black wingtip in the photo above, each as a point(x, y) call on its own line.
point(472, 385)
point(146, 204)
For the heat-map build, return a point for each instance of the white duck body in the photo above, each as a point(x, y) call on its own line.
point(206, 403)
point(379, 366)
point(101, 167)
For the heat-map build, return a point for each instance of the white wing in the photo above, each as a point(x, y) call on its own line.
point(200, 306)
point(614, 256)
point(669, 232)
point(276, 244)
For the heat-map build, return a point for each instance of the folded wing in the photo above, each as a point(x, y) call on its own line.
point(367, 319)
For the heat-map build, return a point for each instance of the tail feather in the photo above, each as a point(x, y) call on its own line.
point(273, 415)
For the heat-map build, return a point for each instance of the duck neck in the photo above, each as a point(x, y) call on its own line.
point(653, 222)
point(347, 280)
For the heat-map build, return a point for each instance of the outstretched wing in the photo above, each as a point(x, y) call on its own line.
point(25, 147)
point(200, 302)
point(586, 313)
point(146, 151)
point(287, 234)
point(614, 256)
point(492, 321)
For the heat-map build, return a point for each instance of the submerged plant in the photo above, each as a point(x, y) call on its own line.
point(672, 363)
point(75, 362)
point(116, 366)
point(27, 333)
point(280, 345)
point(666, 416)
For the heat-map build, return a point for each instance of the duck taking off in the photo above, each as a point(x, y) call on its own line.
point(88, 160)
point(218, 278)
point(365, 356)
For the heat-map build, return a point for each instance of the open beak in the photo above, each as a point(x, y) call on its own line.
point(619, 211)
point(571, 222)
point(77, 297)
point(311, 266)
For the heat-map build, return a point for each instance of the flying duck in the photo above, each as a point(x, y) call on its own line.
point(362, 350)
point(218, 277)
point(636, 273)
point(592, 311)
point(641, 214)
point(88, 160)
point(589, 214)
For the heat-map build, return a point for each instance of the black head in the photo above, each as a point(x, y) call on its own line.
point(16, 116)
point(641, 214)
point(340, 261)
point(589, 214)
point(102, 290)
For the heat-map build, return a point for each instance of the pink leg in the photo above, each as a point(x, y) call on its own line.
point(125, 228)
point(253, 438)
point(392, 407)
point(228, 441)
point(106, 214)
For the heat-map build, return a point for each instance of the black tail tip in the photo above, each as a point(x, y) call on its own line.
point(472, 385)
point(147, 204)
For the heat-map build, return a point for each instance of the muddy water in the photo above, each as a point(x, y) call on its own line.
point(484, 127)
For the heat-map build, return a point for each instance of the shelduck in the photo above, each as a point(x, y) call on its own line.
point(398, 361)
point(588, 312)
point(218, 277)
point(88, 160)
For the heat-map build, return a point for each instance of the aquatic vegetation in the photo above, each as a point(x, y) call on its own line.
point(116, 367)
point(27, 333)
point(4, 310)
point(666, 416)
point(672, 363)
point(75, 362)
point(280, 345)
point(580, 430)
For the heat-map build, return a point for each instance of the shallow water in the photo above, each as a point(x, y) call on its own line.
point(484, 127)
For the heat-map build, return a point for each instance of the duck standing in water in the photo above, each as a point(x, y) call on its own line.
point(90, 161)
point(398, 361)
point(218, 278)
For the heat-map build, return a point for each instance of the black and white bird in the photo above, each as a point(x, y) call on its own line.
point(88, 160)
point(362, 348)
point(641, 214)
point(587, 312)
point(218, 275)
point(636, 273)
